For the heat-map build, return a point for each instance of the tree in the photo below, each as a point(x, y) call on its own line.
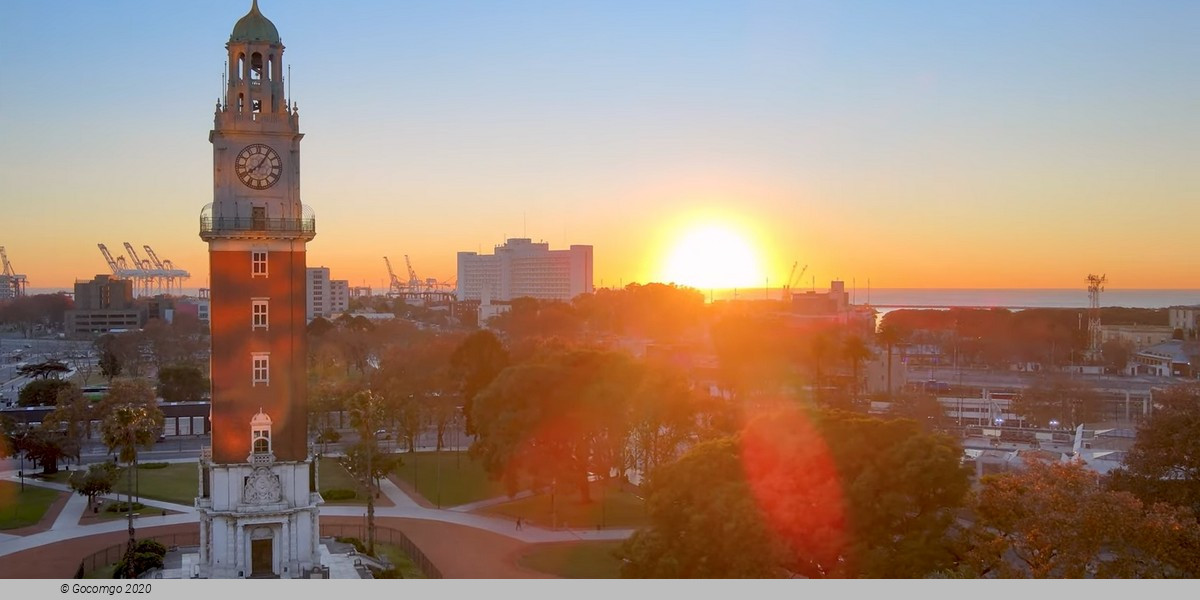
point(44, 370)
point(140, 558)
point(922, 408)
point(1116, 354)
point(664, 415)
point(855, 350)
point(901, 488)
point(551, 419)
point(96, 481)
point(1056, 520)
point(1164, 463)
point(182, 383)
point(367, 413)
point(44, 447)
point(131, 420)
point(72, 418)
point(825, 495)
point(890, 335)
point(42, 392)
point(477, 360)
point(110, 365)
point(26, 312)
point(1056, 398)
point(704, 522)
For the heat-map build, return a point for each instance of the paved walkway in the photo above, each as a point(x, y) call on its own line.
point(67, 527)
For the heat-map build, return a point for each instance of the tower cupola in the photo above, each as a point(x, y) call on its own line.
point(255, 87)
point(254, 27)
point(260, 439)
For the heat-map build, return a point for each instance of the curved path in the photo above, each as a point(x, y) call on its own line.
point(491, 543)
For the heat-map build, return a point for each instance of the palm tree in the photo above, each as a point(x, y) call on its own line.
point(132, 420)
point(856, 351)
point(890, 335)
point(819, 347)
point(368, 412)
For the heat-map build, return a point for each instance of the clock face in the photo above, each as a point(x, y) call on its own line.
point(258, 166)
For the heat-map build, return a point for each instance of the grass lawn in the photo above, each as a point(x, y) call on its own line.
point(400, 559)
point(22, 509)
point(177, 482)
point(610, 507)
point(105, 572)
point(575, 560)
point(452, 475)
point(335, 477)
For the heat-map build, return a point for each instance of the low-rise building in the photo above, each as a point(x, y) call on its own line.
point(1172, 358)
point(1136, 337)
point(1185, 319)
point(833, 307)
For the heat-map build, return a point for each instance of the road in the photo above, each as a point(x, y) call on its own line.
point(1011, 379)
point(15, 351)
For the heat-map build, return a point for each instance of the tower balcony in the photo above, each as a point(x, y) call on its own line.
point(248, 227)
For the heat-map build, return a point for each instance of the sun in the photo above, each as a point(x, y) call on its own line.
point(712, 256)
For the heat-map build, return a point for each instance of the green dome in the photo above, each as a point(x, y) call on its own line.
point(254, 27)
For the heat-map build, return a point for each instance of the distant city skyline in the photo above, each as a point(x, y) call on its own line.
point(918, 145)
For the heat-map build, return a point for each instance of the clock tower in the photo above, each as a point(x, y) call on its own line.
point(258, 499)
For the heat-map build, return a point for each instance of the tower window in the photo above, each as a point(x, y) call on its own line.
point(256, 67)
point(260, 368)
point(258, 311)
point(258, 263)
point(262, 441)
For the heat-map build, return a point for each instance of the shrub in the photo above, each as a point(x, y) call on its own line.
point(153, 465)
point(330, 435)
point(339, 494)
point(144, 556)
point(357, 543)
point(123, 507)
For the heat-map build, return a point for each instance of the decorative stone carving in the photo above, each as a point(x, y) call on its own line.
point(262, 487)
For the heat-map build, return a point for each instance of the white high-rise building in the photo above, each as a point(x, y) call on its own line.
point(521, 268)
point(325, 297)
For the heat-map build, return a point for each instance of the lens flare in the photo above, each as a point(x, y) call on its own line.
point(795, 483)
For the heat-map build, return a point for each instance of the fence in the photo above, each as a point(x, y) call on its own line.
point(113, 553)
point(386, 535)
point(383, 535)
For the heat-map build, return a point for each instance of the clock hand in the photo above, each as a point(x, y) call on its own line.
point(259, 163)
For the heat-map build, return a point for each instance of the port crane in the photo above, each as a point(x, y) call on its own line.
point(394, 284)
point(793, 279)
point(16, 282)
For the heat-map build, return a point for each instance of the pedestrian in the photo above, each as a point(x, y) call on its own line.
point(518, 523)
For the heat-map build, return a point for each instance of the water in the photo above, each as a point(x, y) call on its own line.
point(892, 298)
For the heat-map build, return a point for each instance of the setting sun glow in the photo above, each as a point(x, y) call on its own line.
point(712, 256)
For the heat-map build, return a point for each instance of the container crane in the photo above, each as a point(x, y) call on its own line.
point(793, 279)
point(14, 282)
point(394, 282)
point(168, 272)
point(414, 282)
point(112, 262)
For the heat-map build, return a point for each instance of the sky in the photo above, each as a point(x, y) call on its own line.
point(926, 144)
